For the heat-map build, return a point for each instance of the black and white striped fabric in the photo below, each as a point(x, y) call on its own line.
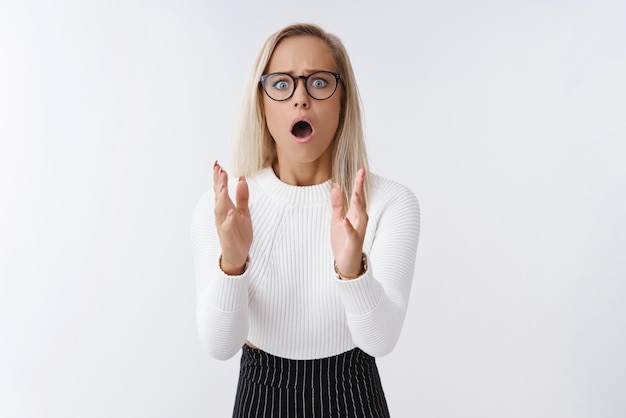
point(341, 386)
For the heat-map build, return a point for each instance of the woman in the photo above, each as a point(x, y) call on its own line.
point(308, 267)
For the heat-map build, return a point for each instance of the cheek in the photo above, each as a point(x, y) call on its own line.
point(333, 116)
point(272, 117)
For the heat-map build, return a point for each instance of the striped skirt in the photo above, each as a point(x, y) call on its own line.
point(341, 386)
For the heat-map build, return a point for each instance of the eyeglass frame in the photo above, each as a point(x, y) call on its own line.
point(295, 84)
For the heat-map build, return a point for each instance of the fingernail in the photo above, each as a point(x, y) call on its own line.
point(241, 178)
point(215, 164)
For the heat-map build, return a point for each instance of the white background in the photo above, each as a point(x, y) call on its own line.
point(507, 119)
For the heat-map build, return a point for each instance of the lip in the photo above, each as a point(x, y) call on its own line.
point(306, 138)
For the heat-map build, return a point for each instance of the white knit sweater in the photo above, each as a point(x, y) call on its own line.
point(289, 301)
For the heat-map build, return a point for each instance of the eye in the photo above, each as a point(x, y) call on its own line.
point(319, 83)
point(281, 85)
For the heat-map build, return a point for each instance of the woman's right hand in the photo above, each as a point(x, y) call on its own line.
point(232, 221)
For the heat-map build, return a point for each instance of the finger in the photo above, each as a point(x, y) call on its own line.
point(358, 190)
point(216, 177)
point(357, 212)
point(336, 202)
point(228, 222)
point(353, 235)
point(223, 203)
point(223, 179)
point(241, 196)
point(220, 178)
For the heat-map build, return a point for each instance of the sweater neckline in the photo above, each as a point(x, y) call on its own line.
point(295, 195)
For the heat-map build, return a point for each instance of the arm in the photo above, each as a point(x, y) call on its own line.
point(376, 301)
point(222, 299)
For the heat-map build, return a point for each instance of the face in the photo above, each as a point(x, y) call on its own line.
point(299, 145)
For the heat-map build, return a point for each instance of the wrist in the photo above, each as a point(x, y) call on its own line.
point(362, 270)
point(232, 269)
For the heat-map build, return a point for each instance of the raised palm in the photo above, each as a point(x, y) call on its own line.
point(347, 230)
point(233, 223)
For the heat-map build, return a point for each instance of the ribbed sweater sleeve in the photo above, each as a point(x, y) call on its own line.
point(222, 300)
point(376, 302)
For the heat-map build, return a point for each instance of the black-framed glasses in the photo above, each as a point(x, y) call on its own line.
point(320, 85)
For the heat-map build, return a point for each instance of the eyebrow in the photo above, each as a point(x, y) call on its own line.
point(306, 71)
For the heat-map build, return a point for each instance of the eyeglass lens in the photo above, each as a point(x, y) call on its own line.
point(320, 85)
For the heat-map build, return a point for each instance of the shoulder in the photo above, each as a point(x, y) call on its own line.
point(205, 202)
point(384, 192)
point(203, 212)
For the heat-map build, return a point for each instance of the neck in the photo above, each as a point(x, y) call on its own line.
point(302, 174)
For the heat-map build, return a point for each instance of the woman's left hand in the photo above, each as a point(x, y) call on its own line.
point(347, 232)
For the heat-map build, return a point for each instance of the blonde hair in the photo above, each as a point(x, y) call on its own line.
point(254, 148)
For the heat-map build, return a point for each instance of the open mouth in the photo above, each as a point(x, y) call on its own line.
point(301, 129)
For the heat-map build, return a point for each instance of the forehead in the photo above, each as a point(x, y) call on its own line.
point(300, 53)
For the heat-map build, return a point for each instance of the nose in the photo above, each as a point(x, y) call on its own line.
point(300, 96)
